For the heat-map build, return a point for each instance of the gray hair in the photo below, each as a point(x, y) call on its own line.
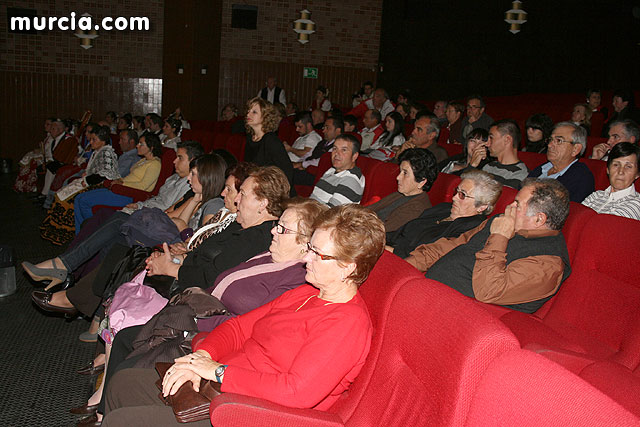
point(486, 190)
point(433, 126)
point(549, 197)
point(630, 128)
point(579, 135)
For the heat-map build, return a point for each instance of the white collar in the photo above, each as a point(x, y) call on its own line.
point(617, 195)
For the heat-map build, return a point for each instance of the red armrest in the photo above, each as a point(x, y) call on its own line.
point(230, 409)
point(135, 194)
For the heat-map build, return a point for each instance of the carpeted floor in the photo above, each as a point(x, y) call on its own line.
point(39, 352)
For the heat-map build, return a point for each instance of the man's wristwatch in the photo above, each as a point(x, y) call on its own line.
point(219, 373)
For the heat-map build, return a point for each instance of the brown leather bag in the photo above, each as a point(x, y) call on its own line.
point(187, 404)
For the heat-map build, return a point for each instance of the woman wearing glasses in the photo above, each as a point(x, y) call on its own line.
point(302, 350)
point(474, 199)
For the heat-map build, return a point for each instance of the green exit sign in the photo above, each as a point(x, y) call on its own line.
point(310, 73)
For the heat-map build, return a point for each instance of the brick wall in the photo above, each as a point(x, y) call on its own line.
point(344, 47)
point(49, 74)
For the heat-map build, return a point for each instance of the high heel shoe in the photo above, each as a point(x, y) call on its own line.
point(56, 275)
point(67, 283)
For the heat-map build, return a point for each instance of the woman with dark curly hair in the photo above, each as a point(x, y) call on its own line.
point(263, 147)
point(538, 129)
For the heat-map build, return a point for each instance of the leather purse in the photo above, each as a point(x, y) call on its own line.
point(187, 404)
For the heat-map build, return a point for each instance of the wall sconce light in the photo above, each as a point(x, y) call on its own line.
point(203, 69)
point(86, 36)
point(515, 17)
point(304, 26)
point(180, 69)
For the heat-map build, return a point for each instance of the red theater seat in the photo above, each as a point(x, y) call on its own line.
point(425, 362)
point(166, 170)
point(523, 389)
point(235, 145)
point(599, 170)
point(532, 160)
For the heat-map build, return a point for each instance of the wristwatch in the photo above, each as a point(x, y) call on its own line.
point(219, 373)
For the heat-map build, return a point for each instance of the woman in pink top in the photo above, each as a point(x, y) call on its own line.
point(301, 350)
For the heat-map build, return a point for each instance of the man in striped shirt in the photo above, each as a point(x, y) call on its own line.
point(344, 182)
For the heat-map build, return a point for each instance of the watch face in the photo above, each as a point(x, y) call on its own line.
point(220, 370)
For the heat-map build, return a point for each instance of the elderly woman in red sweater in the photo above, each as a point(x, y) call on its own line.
point(302, 350)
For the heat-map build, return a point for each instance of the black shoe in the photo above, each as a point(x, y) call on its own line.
point(42, 300)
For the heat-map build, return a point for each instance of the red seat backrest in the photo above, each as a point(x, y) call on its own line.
point(597, 123)
point(507, 196)
point(524, 389)
point(443, 137)
point(452, 149)
point(115, 143)
point(435, 345)
point(235, 145)
point(380, 178)
point(599, 170)
point(166, 170)
point(532, 160)
point(442, 190)
point(579, 215)
point(592, 141)
point(408, 130)
point(600, 299)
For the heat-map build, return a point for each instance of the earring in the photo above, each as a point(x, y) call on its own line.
point(259, 212)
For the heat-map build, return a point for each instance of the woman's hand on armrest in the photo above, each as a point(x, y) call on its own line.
point(191, 367)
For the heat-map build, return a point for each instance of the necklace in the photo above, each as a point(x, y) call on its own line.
point(307, 300)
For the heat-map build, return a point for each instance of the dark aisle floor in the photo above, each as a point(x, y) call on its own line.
point(39, 352)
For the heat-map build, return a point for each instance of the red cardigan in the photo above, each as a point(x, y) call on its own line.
point(294, 351)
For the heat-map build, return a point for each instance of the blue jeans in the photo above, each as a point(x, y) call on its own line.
point(84, 202)
point(100, 241)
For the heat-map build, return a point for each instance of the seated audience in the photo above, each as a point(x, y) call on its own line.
point(129, 147)
point(380, 101)
point(240, 289)
point(106, 235)
point(263, 146)
point(372, 130)
point(62, 151)
point(403, 97)
point(418, 172)
point(440, 111)
point(365, 93)
point(58, 226)
point(517, 260)
point(538, 128)
point(306, 142)
point(403, 110)
point(259, 204)
point(393, 136)
point(594, 100)
point(29, 163)
point(566, 144)
point(621, 198)
point(333, 127)
point(625, 130)
point(321, 100)
point(314, 339)
point(474, 154)
point(111, 121)
point(229, 112)
point(317, 118)
point(624, 108)
point(143, 176)
point(171, 130)
point(138, 123)
point(344, 182)
point(504, 140)
point(124, 123)
point(454, 122)
point(476, 117)
point(473, 200)
point(581, 115)
point(153, 124)
point(425, 135)
point(350, 123)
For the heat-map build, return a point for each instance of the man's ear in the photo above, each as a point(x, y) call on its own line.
point(541, 219)
point(575, 152)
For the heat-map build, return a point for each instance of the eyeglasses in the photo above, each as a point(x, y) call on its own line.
point(462, 194)
point(281, 229)
point(557, 140)
point(473, 107)
point(318, 254)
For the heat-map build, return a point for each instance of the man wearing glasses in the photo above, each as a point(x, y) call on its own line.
point(517, 260)
point(476, 117)
point(566, 143)
point(620, 131)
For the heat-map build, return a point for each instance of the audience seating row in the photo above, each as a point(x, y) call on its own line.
point(438, 358)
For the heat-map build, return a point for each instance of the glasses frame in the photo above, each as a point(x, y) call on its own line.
point(281, 229)
point(553, 140)
point(323, 257)
point(461, 194)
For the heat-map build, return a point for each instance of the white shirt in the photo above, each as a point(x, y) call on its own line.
point(622, 203)
point(271, 93)
point(309, 140)
point(387, 107)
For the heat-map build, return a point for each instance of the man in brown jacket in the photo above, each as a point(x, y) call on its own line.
point(517, 260)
